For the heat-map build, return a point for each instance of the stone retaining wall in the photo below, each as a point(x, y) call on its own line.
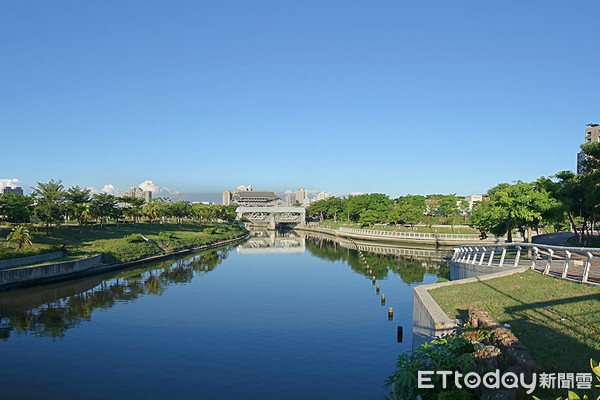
point(45, 273)
point(15, 262)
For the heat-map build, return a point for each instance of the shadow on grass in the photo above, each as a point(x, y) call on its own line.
point(561, 334)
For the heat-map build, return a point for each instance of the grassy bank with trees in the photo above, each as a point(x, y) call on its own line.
point(123, 242)
point(116, 226)
point(377, 209)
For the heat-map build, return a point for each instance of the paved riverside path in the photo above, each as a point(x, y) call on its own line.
point(554, 239)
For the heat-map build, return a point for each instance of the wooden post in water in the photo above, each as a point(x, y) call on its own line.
point(391, 314)
point(383, 299)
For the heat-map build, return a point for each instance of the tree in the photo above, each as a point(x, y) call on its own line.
point(150, 210)
point(448, 207)
point(335, 205)
point(133, 206)
point(202, 211)
point(180, 210)
point(519, 206)
point(464, 207)
point(15, 207)
point(50, 198)
point(318, 208)
point(104, 206)
point(409, 210)
point(369, 217)
point(77, 204)
point(406, 213)
point(21, 236)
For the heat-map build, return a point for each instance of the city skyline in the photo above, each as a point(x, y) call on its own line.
point(343, 97)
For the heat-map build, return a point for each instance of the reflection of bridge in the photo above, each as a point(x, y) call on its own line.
point(272, 243)
point(271, 216)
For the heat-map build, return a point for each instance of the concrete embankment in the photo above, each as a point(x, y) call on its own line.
point(435, 239)
point(25, 276)
point(41, 274)
point(16, 262)
point(429, 320)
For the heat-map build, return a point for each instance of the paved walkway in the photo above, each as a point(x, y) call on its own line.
point(554, 239)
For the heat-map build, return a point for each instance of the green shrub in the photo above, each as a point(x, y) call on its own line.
point(453, 353)
point(166, 235)
point(209, 231)
point(133, 238)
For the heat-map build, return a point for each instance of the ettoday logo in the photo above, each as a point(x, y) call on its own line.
point(473, 380)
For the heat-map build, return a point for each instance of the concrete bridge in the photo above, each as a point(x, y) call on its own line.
point(270, 216)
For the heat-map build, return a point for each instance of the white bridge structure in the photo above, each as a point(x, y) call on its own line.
point(272, 215)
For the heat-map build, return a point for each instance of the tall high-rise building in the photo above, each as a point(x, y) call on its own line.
point(227, 197)
point(141, 193)
point(592, 135)
point(302, 196)
point(290, 200)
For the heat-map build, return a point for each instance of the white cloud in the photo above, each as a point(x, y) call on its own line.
point(108, 189)
point(355, 193)
point(10, 183)
point(150, 186)
point(288, 192)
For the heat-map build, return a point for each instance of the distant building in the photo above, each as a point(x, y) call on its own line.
point(227, 197)
point(322, 196)
point(17, 190)
point(290, 200)
point(302, 196)
point(141, 193)
point(592, 135)
point(472, 199)
point(245, 196)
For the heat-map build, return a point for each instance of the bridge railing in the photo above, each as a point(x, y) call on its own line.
point(573, 263)
point(413, 235)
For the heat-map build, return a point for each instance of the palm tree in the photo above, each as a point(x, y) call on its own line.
point(50, 198)
point(21, 236)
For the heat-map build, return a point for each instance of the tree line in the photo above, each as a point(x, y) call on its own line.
point(51, 203)
point(378, 208)
point(564, 201)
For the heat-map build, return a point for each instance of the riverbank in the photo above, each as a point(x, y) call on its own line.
point(388, 236)
point(121, 243)
point(124, 248)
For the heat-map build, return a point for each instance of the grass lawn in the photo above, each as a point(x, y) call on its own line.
point(111, 241)
point(558, 321)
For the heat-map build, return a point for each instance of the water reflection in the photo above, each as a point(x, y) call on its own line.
point(269, 242)
point(49, 311)
point(381, 259)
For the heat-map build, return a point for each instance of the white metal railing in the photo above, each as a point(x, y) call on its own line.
point(574, 263)
point(411, 235)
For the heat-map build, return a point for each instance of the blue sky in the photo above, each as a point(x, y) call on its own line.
point(342, 96)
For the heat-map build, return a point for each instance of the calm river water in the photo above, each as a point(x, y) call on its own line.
point(274, 318)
